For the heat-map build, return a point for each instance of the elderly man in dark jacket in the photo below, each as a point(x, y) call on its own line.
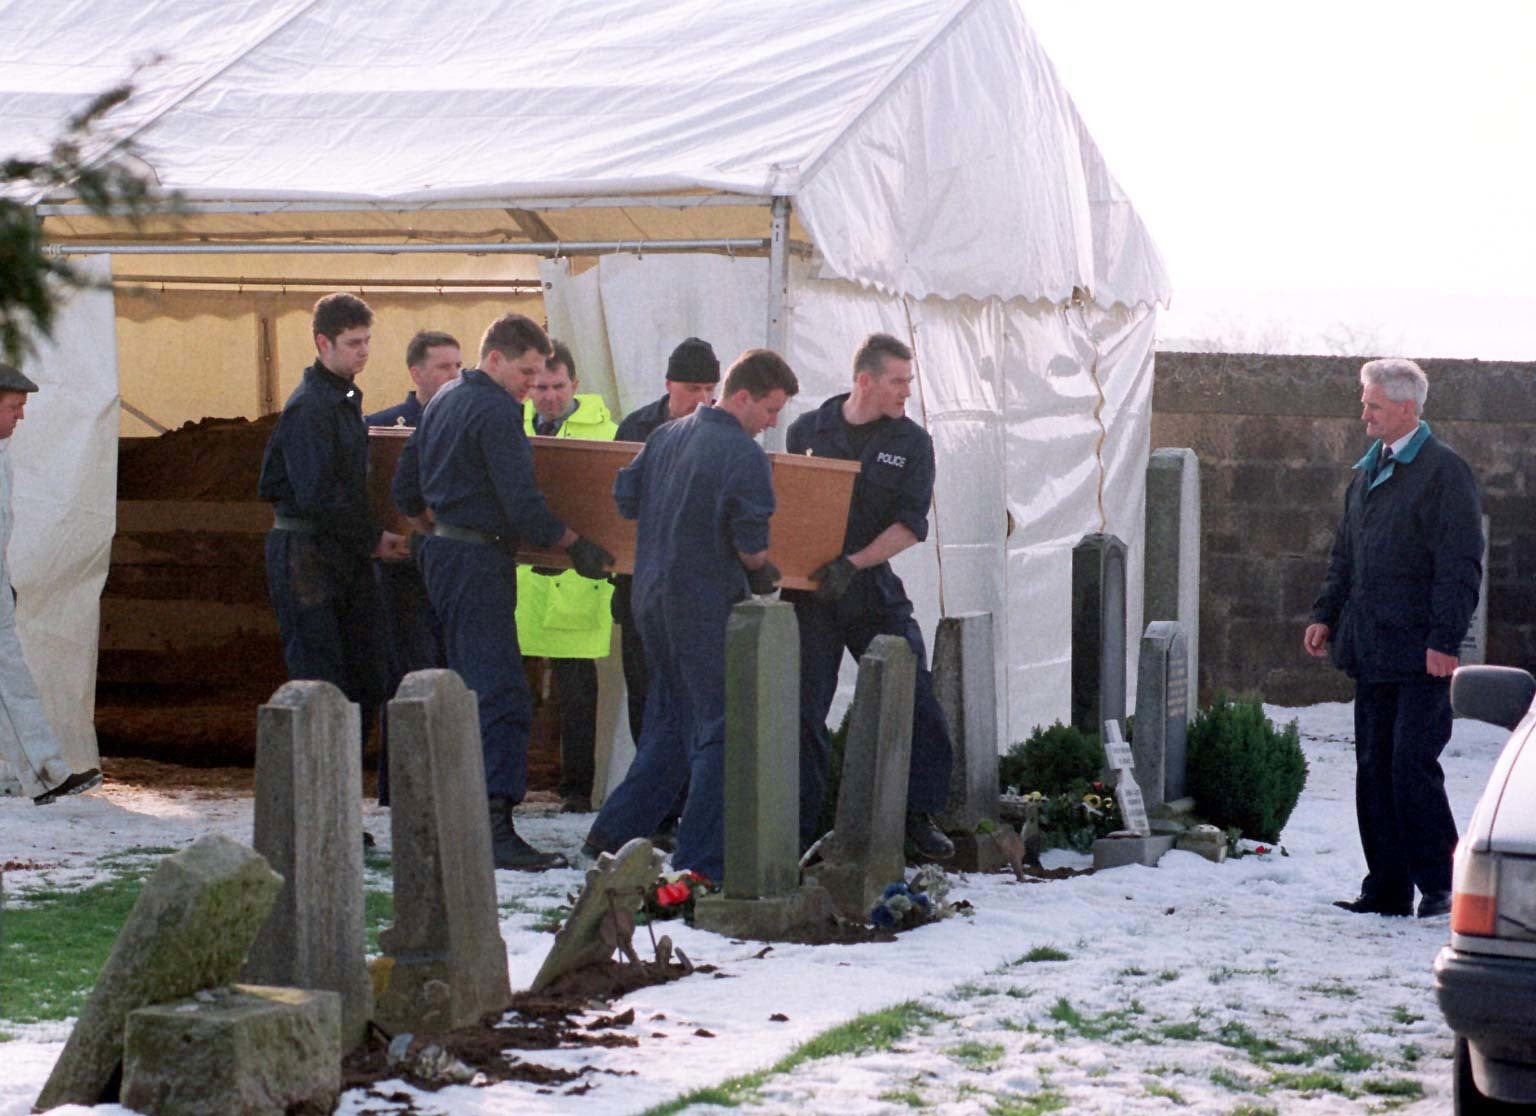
point(1401, 587)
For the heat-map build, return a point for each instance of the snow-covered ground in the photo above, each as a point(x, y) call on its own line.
point(1191, 986)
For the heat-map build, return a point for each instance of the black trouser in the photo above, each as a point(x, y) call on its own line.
point(576, 692)
point(1406, 826)
point(414, 636)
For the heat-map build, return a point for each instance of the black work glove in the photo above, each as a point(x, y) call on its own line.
point(547, 571)
point(589, 559)
point(833, 579)
point(764, 579)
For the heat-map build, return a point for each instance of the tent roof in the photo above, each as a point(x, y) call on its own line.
point(928, 146)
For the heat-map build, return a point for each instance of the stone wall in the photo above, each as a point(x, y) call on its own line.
point(1276, 436)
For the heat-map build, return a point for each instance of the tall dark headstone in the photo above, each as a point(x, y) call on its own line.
point(1162, 720)
point(1098, 632)
point(963, 663)
point(1171, 571)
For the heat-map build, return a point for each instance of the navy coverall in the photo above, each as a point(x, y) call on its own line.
point(474, 470)
point(702, 491)
point(315, 474)
point(1403, 579)
point(895, 485)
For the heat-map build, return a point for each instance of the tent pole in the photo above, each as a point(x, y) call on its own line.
point(315, 248)
point(777, 334)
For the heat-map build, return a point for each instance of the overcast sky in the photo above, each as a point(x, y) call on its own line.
point(1317, 174)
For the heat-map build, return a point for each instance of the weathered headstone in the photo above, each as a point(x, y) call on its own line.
point(244, 1049)
point(867, 850)
point(189, 929)
point(1474, 646)
point(309, 826)
point(1171, 568)
point(963, 680)
point(604, 914)
point(448, 964)
point(1162, 713)
point(1098, 631)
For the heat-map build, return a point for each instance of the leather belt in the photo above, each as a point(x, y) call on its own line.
point(291, 523)
point(468, 535)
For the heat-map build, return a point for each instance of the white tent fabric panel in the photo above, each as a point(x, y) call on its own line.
point(64, 461)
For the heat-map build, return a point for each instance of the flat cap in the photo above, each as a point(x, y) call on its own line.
point(11, 379)
point(694, 362)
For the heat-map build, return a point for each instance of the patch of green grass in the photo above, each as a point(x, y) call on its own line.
point(1099, 1026)
point(1132, 971)
point(1233, 1081)
point(1346, 1053)
point(550, 919)
point(6, 1036)
point(1047, 1100)
point(977, 1055)
point(1393, 1087)
point(378, 912)
point(55, 945)
point(876, 1030)
point(1017, 993)
point(1411, 1053)
point(1254, 1110)
point(1168, 976)
point(1158, 1089)
point(1312, 1081)
point(909, 1097)
point(1182, 1032)
point(1223, 973)
point(971, 990)
point(1044, 953)
point(1335, 987)
point(1403, 1015)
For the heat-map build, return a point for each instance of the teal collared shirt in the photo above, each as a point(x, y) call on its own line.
point(1405, 455)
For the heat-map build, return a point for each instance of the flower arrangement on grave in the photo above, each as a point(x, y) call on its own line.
point(672, 895)
point(909, 903)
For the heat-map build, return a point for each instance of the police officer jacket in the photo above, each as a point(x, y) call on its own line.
point(639, 423)
point(895, 485)
point(315, 466)
point(1407, 562)
point(407, 413)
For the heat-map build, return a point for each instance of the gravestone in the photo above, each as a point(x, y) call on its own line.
point(963, 680)
point(1474, 646)
point(1171, 570)
point(1120, 760)
point(761, 897)
point(867, 849)
point(189, 929)
point(309, 826)
point(448, 964)
point(603, 917)
point(1162, 713)
point(1098, 631)
point(243, 1049)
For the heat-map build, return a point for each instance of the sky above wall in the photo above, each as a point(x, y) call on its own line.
point(1321, 177)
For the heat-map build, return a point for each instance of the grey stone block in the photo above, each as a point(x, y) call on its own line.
point(1162, 713)
point(1206, 840)
point(1115, 852)
point(964, 680)
point(309, 826)
point(448, 963)
point(762, 750)
point(1171, 567)
point(779, 918)
point(189, 929)
point(242, 1051)
point(1098, 632)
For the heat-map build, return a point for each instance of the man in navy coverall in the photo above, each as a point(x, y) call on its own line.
point(474, 475)
point(314, 472)
point(702, 491)
point(859, 595)
point(1403, 580)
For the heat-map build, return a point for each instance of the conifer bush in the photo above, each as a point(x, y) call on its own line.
point(1058, 760)
point(1241, 770)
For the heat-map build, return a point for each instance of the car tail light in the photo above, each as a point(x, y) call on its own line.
point(1474, 893)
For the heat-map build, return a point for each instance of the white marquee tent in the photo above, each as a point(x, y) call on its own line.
point(795, 174)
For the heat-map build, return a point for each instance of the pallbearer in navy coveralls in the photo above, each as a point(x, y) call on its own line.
point(474, 475)
point(860, 596)
point(314, 472)
point(702, 491)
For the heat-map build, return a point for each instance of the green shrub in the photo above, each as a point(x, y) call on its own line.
point(1242, 771)
point(1061, 759)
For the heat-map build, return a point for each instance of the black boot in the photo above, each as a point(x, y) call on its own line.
point(509, 850)
point(927, 838)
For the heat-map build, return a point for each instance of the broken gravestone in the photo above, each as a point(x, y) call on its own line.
point(1135, 843)
point(309, 825)
point(189, 929)
point(603, 918)
point(245, 1049)
point(446, 962)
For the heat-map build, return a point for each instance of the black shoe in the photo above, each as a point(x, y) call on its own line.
point(1366, 905)
point(511, 852)
point(576, 804)
point(927, 838)
point(75, 784)
point(1433, 904)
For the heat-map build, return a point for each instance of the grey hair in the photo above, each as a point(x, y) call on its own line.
point(1401, 379)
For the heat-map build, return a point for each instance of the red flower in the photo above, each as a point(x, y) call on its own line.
point(1262, 849)
point(670, 895)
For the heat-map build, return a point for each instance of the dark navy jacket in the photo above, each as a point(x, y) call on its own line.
point(407, 413)
point(639, 423)
point(474, 466)
point(895, 485)
point(315, 466)
point(1407, 562)
point(702, 490)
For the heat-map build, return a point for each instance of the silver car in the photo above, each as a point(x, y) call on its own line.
point(1485, 978)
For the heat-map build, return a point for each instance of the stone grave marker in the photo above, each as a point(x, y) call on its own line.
point(1098, 631)
point(309, 826)
point(1162, 713)
point(964, 661)
point(448, 963)
point(189, 929)
point(604, 914)
point(867, 849)
point(1171, 570)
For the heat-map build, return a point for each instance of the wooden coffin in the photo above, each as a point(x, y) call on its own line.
point(576, 477)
